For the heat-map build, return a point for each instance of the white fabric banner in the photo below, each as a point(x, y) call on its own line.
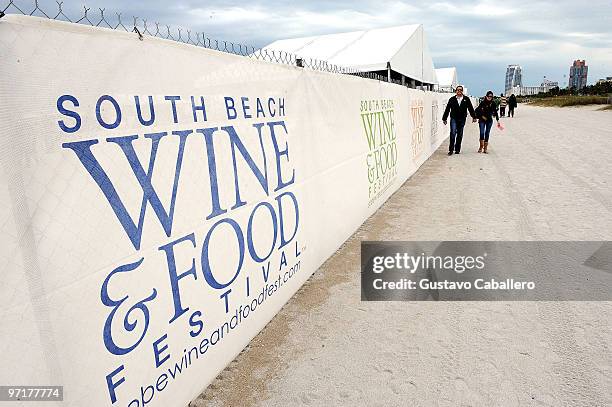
point(161, 202)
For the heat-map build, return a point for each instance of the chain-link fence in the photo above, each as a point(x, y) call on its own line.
point(141, 27)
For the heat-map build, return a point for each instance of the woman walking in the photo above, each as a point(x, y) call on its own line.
point(485, 112)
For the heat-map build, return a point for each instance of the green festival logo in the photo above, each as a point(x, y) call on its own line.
point(377, 118)
point(417, 127)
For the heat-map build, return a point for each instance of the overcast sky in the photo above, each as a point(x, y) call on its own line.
point(480, 38)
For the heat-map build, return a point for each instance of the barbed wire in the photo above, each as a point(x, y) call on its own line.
point(141, 27)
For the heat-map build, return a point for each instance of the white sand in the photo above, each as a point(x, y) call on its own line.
point(548, 177)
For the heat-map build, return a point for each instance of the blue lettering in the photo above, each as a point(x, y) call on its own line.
point(113, 102)
point(128, 323)
point(208, 275)
point(139, 112)
point(201, 107)
point(212, 172)
point(225, 298)
point(83, 151)
point(262, 177)
point(173, 100)
point(260, 109)
point(271, 102)
point(174, 277)
point(281, 107)
point(279, 154)
point(246, 107)
point(196, 322)
point(69, 113)
point(157, 351)
point(112, 385)
point(266, 272)
point(284, 240)
point(250, 244)
point(229, 106)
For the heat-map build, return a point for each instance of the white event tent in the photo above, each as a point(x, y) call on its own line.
point(447, 79)
point(399, 53)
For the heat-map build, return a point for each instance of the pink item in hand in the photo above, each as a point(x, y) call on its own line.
point(500, 126)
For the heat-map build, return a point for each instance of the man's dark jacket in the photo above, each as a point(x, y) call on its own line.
point(458, 112)
point(512, 101)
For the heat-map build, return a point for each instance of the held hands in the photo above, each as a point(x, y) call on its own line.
point(444, 121)
point(474, 120)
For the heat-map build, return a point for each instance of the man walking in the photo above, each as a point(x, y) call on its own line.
point(511, 105)
point(458, 107)
point(503, 102)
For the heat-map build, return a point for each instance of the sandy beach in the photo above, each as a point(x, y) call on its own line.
point(547, 177)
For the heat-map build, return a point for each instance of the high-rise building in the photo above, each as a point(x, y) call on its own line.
point(578, 74)
point(514, 77)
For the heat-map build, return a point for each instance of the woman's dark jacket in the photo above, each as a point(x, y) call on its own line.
point(486, 111)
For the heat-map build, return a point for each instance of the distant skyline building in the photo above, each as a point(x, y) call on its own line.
point(514, 77)
point(546, 86)
point(608, 79)
point(578, 74)
point(524, 90)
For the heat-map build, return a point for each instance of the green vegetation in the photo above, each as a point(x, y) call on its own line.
point(599, 94)
point(570, 100)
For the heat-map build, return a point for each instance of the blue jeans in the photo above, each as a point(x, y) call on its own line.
point(485, 129)
point(456, 135)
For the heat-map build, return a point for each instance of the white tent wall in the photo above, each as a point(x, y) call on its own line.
point(325, 48)
point(127, 312)
point(414, 60)
point(374, 48)
point(447, 78)
point(428, 65)
point(404, 47)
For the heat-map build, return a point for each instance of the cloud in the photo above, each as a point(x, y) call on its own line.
point(483, 37)
point(480, 9)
